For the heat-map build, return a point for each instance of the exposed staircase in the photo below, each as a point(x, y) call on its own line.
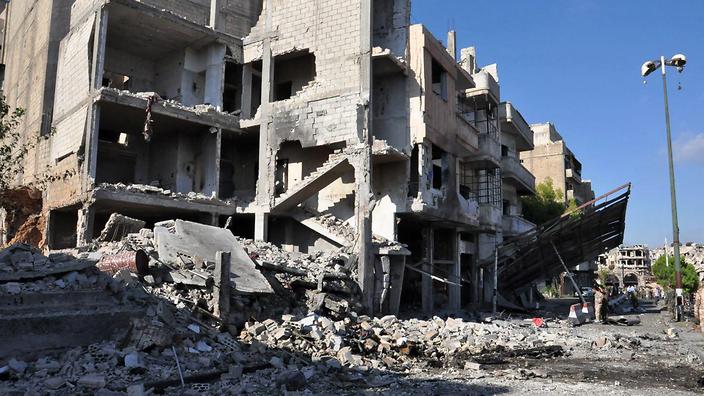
point(340, 234)
point(333, 168)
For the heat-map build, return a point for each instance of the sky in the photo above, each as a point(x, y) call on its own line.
point(576, 63)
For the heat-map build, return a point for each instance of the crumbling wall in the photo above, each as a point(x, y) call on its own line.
point(327, 110)
point(73, 87)
point(391, 21)
point(390, 192)
point(236, 17)
point(31, 27)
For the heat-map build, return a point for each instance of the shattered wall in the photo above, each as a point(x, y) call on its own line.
point(327, 109)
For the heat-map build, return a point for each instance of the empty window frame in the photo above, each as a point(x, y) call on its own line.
point(439, 80)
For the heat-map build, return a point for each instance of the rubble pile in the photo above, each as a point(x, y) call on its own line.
point(364, 343)
point(290, 322)
point(25, 268)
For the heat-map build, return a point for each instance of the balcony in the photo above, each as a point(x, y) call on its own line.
point(513, 171)
point(467, 134)
point(574, 175)
point(516, 225)
point(489, 155)
point(512, 122)
point(490, 216)
point(485, 88)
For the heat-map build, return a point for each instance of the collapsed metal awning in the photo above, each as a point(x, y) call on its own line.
point(579, 236)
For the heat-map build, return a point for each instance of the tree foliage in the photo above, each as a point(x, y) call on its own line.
point(12, 151)
point(665, 274)
point(547, 203)
point(14, 148)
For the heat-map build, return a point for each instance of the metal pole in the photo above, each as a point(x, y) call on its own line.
point(673, 199)
point(569, 274)
point(496, 281)
point(667, 257)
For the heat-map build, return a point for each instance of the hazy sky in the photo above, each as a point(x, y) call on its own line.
point(577, 64)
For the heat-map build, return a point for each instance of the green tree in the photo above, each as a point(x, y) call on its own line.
point(665, 274)
point(12, 151)
point(547, 203)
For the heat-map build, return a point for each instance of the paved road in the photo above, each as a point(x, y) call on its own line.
point(637, 360)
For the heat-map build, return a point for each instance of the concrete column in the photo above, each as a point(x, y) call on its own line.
point(215, 75)
point(214, 14)
point(426, 280)
point(84, 226)
point(398, 269)
point(452, 44)
point(363, 168)
point(456, 276)
point(246, 111)
point(96, 77)
point(261, 226)
point(267, 154)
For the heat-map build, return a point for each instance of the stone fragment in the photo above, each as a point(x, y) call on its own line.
point(12, 288)
point(54, 383)
point(202, 346)
point(136, 390)
point(18, 366)
point(293, 380)
point(277, 362)
point(94, 381)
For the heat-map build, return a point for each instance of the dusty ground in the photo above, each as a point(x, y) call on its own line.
point(660, 365)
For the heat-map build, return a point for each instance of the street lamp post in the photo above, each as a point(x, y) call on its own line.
point(678, 61)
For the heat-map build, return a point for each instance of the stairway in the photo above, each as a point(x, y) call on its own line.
point(342, 235)
point(334, 167)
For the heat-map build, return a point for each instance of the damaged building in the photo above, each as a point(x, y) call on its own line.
point(312, 125)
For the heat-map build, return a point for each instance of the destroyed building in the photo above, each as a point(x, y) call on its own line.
point(313, 125)
point(552, 158)
point(627, 265)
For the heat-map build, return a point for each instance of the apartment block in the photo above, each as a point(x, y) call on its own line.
point(628, 265)
point(552, 158)
point(313, 125)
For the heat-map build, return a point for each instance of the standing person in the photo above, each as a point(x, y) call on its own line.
point(699, 301)
point(601, 303)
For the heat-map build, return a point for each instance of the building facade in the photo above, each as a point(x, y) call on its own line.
point(629, 265)
point(552, 159)
point(313, 125)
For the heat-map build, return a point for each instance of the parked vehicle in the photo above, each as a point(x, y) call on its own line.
point(586, 292)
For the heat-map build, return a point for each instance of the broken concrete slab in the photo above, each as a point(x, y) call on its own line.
point(119, 226)
point(203, 241)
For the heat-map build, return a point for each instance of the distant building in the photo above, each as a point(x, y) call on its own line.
point(552, 159)
point(630, 265)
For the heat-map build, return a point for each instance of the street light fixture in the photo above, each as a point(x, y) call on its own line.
point(678, 61)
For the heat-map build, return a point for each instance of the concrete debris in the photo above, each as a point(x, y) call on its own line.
point(118, 226)
point(293, 337)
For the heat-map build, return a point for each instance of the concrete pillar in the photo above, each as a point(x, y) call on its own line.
point(456, 276)
point(267, 154)
point(363, 168)
point(261, 226)
point(214, 14)
point(426, 280)
point(215, 75)
point(398, 270)
point(246, 111)
point(452, 44)
point(96, 76)
point(84, 226)
point(468, 58)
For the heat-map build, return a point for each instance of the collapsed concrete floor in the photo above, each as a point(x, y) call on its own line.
point(157, 317)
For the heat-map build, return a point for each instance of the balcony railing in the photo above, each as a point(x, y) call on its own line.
point(514, 225)
point(490, 215)
point(572, 174)
point(513, 122)
point(513, 170)
point(485, 84)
